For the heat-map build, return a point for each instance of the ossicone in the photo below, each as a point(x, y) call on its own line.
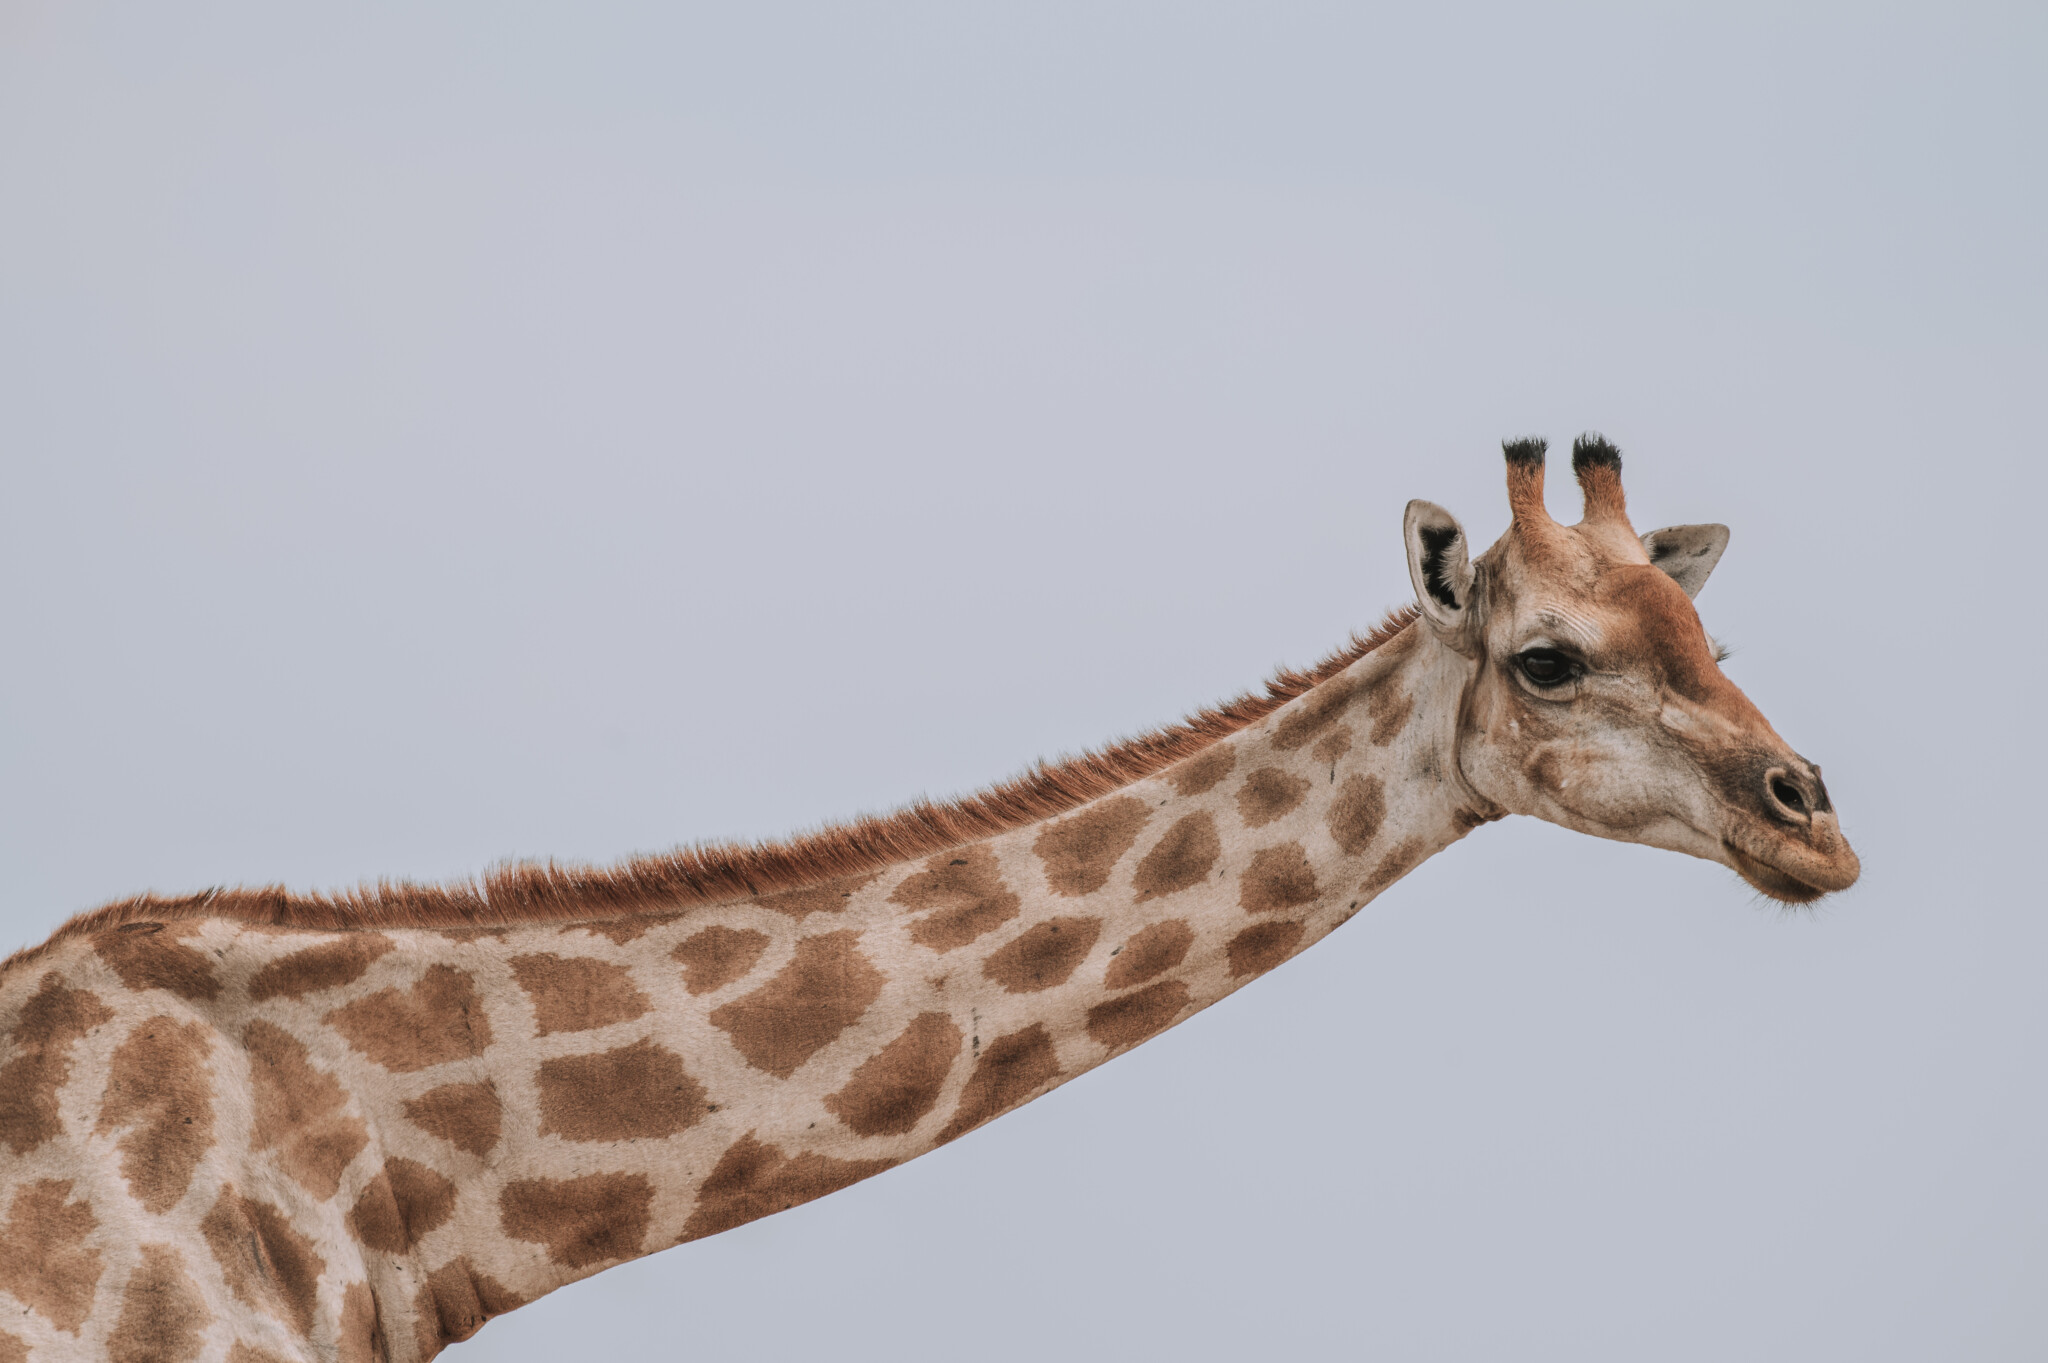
point(1525, 477)
point(1597, 463)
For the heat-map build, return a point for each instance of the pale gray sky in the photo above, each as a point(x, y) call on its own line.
point(431, 435)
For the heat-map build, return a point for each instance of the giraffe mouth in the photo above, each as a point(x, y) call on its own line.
point(1779, 885)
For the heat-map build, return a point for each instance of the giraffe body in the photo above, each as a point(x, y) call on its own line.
point(226, 1135)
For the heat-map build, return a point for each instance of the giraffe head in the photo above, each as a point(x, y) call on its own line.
point(1594, 698)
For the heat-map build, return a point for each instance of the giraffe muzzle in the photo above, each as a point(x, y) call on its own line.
point(1793, 850)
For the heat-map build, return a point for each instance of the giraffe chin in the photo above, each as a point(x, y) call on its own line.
point(1769, 880)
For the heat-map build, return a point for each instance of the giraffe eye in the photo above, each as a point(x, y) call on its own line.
point(1547, 667)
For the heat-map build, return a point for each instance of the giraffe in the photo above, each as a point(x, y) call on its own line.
point(252, 1125)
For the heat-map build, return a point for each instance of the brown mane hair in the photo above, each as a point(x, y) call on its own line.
point(527, 892)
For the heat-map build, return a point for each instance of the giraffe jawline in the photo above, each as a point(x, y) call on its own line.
point(1769, 879)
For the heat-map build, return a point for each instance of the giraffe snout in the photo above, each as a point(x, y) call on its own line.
point(1783, 836)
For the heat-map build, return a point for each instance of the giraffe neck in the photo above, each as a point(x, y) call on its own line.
point(666, 1080)
point(316, 1140)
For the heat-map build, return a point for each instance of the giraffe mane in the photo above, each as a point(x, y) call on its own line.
point(712, 873)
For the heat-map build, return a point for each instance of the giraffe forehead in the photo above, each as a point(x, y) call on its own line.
point(1562, 620)
point(1564, 561)
point(1649, 612)
point(1633, 608)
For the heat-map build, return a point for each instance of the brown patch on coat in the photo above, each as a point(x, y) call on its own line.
point(361, 1337)
point(715, 957)
point(1267, 794)
point(1333, 744)
point(44, 1262)
point(1315, 713)
point(1277, 878)
point(152, 956)
point(50, 1023)
point(621, 930)
point(823, 990)
point(1262, 946)
point(404, 1204)
point(1126, 1021)
point(580, 1221)
point(438, 1020)
point(578, 993)
point(299, 1111)
point(1357, 812)
point(1183, 856)
point(830, 897)
point(162, 1313)
point(241, 1352)
point(892, 1090)
point(13, 1348)
point(965, 894)
point(159, 1086)
point(466, 1116)
point(548, 892)
point(1043, 955)
point(623, 1094)
point(1390, 709)
point(264, 1260)
point(752, 1180)
point(1009, 1070)
point(455, 1302)
point(328, 965)
point(1199, 774)
point(1080, 852)
point(1397, 863)
point(1148, 952)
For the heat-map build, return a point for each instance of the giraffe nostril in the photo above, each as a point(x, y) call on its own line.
point(1787, 794)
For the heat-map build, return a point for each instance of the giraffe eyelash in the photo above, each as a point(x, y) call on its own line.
point(1722, 653)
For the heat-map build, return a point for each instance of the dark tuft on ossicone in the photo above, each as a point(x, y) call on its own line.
point(1526, 452)
point(1592, 450)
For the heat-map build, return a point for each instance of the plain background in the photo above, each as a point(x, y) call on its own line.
point(434, 434)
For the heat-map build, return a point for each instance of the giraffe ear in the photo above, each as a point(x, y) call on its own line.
point(1439, 566)
point(1687, 553)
